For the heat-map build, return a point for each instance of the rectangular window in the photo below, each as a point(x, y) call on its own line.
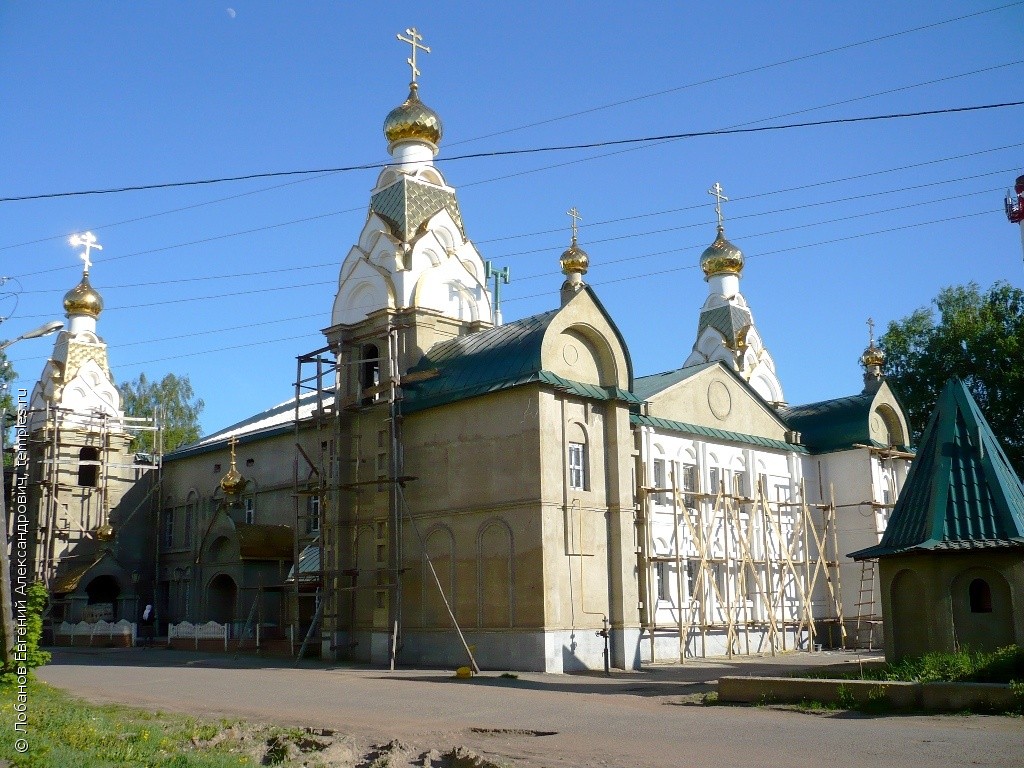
point(313, 510)
point(661, 574)
point(250, 510)
point(168, 532)
point(739, 485)
point(714, 481)
point(189, 516)
point(660, 496)
point(782, 493)
point(762, 485)
point(691, 577)
point(577, 466)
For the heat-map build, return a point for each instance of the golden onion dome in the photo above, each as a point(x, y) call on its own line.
point(721, 257)
point(873, 356)
point(104, 532)
point(413, 120)
point(83, 299)
point(232, 482)
point(574, 259)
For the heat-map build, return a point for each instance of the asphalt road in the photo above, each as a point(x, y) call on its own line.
point(631, 719)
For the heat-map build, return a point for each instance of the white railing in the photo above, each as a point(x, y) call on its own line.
point(186, 630)
point(99, 629)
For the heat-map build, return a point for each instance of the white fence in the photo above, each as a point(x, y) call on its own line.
point(99, 630)
point(186, 630)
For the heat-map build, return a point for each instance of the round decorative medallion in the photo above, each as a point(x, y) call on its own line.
point(877, 427)
point(570, 354)
point(719, 399)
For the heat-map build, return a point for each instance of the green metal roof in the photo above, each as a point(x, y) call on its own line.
point(646, 387)
point(961, 492)
point(407, 203)
point(831, 425)
point(715, 434)
point(492, 360)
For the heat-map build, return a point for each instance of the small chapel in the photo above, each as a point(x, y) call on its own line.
point(445, 487)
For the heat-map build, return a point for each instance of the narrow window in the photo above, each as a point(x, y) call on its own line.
point(714, 481)
point(168, 532)
point(980, 594)
point(577, 466)
point(661, 572)
point(88, 467)
point(369, 371)
point(660, 496)
point(762, 485)
point(313, 517)
point(691, 577)
point(189, 516)
point(250, 510)
point(739, 485)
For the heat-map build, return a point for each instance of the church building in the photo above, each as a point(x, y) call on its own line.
point(447, 488)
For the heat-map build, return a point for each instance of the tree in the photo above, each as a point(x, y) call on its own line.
point(979, 338)
point(177, 404)
point(7, 375)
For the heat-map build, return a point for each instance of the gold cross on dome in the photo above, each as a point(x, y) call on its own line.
point(871, 332)
point(86, 240)
point(575, 215)
point(413, 39)
point(718, 193)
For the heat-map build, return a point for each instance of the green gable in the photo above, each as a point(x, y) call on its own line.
point(961, 492)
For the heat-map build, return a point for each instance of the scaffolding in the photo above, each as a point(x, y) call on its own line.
point(751, 575)
point(99, 465)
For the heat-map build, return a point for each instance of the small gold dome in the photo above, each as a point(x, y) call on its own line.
point(232, 482)
point(574, 259)
point(413, 120)
point(721, 257)
point(873, 356)
point(104, 532)
point(83, 299)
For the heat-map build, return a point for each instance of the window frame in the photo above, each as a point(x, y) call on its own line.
point(576, 461)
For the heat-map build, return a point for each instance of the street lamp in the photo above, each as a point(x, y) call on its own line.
point(6, 598)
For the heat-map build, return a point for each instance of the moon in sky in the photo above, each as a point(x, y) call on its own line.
point(231, 13)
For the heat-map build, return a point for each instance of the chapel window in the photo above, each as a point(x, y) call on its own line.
point(660, 496)
point(89, 473)
point(578, 466)
point(980, 594)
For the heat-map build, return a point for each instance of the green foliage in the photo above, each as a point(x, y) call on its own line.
point(63, 731)
point(1003, 665)
point(7, 375)
point(176, 403)
point(978, 337)
point(34, 656)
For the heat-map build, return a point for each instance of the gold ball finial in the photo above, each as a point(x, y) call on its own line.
point(232, 482)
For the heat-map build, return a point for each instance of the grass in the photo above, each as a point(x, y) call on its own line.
point(1005, 665)
point(65, 732)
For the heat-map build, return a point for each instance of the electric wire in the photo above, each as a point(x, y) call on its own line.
point(529, 150)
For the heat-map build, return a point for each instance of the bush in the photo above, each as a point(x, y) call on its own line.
point(34, 656)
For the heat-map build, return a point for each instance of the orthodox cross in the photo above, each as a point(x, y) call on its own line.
point(718, 193)
point(233, 442)
point(500, 276)
point(871, 332)
point(87, 241)
point(575, 215)
point(413, 39)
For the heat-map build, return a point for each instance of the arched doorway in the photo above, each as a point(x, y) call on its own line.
point(220, 598)
point(102, 593)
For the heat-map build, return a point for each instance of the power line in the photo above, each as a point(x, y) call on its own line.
point(530, 150)
point(739, 73)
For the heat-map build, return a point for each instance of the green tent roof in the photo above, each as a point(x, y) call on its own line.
point(961, 492)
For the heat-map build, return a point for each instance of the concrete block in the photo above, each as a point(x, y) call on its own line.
point(954, 697)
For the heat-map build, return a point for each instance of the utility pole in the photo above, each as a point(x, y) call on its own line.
point(6, 594)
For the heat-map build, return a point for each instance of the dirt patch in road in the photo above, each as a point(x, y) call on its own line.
point(323, 748)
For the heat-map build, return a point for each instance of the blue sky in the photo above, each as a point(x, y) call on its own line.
point(838, 223)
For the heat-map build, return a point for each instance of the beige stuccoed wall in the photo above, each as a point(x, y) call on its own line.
point(691, 401)
point(929, 611)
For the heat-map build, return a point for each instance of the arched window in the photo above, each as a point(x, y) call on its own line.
point(89, 473)
point(980, 594)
